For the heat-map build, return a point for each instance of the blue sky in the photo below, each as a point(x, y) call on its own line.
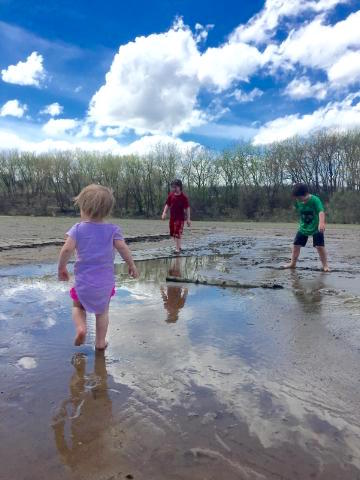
point(124, 76)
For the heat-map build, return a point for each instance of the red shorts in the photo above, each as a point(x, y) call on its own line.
point(176, 228)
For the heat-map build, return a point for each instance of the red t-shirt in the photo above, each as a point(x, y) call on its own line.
point(177, 205)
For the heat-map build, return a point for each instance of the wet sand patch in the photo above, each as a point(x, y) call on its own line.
point(198, 381)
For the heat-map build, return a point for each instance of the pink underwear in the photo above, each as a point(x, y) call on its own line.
point(75, 297)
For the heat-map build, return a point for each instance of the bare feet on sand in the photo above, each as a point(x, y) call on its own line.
point(291, 266)
point(326, 269)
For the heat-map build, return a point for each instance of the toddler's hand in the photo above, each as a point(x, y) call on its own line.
point(133, 271)
point(322, 227)
point(163, 216)
point(63, 275)
point(189, 223)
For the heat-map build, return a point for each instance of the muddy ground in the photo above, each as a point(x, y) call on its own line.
point(199, 382)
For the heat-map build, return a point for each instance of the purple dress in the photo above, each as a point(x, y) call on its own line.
point(94, 266)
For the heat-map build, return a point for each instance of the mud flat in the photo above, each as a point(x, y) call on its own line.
point(199, 381)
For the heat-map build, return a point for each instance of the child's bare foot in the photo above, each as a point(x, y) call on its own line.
point(80, 337)
point(326, 269)
point(291, 266)
point(101, 348)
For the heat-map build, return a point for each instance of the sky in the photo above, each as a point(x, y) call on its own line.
point(124, 76)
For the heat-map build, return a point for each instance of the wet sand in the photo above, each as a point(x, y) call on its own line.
point(199, 382)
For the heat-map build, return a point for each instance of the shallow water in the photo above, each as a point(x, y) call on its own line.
point(198, 382)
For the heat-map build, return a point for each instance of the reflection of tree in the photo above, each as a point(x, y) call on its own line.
point(157, 269)
point(88, 411)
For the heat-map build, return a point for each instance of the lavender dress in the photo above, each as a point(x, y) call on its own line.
point(94, 266)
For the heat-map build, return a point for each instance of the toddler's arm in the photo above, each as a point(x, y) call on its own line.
point(322, 222)
point(65, 254)
point(166, 208)
point(125, 253)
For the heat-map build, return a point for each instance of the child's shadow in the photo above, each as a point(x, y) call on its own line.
point(85, 416)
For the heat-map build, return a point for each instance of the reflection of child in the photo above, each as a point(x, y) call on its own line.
point(312, 223)
point(87, 414)
point(94, 242)
point(179, 206)
point(175, 296)
point(174, 300)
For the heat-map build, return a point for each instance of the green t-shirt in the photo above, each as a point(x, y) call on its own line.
point(309, 215)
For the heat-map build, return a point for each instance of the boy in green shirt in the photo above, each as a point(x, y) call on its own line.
point(312, 223)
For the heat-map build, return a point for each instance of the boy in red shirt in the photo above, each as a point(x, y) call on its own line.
point(179, 206)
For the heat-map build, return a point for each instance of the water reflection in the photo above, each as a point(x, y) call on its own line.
point(174, 298)
point(308, 291)
point(86, 414)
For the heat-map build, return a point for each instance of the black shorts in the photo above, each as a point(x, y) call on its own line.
point(318, 239)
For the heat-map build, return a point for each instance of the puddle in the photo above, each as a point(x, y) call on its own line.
point(198, 382)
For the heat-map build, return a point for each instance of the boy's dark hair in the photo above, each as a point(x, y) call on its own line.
point(177, 183)
point(300, 190)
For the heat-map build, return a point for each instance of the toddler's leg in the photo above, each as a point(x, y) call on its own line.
point(294, 257)
point(102, 323)
point(79, 317)
point(323, 257)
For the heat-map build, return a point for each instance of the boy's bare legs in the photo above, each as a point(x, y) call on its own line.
point(294, 257)
point(79, 318)
point(323, 257)
point(102, 323)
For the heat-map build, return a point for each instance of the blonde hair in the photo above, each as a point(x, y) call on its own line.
point(95, 201)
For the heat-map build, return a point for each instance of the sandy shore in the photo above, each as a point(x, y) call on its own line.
point(199, 382)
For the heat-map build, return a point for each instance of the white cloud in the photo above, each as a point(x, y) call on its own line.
point(60, 126)
point(30, 72)
point(13, 108)
point(221, 66)
point(319, 46)
point(346, 70)
point(152, 85)
point(149, 143)
point(33, 143)
point(201, 32)
point(54, 109)
point(262, 26)
point(243, 97)
point(154, 82)
point(344, 114)
point(301, 88)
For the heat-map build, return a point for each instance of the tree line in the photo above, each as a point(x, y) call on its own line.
point(243, 182)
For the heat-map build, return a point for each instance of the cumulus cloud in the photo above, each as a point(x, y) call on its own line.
point(13, 108)
point(220, 67)
point(301, 88)
point(344, 114)
point(29, 72)
point(263, 26)
point(54, 109)
point(154, 82)
point(152, 85)
point(244, 97)
point(60, 126)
